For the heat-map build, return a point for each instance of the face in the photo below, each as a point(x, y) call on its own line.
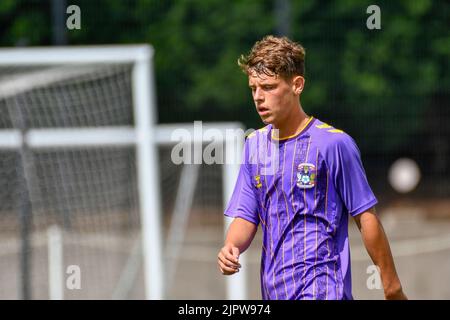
point(275, 98)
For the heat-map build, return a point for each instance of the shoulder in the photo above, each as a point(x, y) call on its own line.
point(334, 145)
point(327, 137)
point(257, 136)
point(337, 149)
point(253, 141)
point(259, 132)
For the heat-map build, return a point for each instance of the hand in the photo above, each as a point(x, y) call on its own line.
point(228, 260)
point(397, 294)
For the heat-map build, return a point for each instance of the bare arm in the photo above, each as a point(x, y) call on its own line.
point(377, 246)
point(239, 237)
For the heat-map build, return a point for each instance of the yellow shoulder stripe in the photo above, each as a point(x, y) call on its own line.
point(323, 126)
point(263, 129)
point(335, 131)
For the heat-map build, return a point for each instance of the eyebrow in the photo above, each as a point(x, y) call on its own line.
point(263, 84)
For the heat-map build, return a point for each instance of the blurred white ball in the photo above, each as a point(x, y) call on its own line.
point(404, 175)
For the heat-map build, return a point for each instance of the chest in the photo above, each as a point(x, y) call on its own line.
point(286, 165)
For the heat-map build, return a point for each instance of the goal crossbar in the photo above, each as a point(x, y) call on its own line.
point(75, 55)
point(104, 136)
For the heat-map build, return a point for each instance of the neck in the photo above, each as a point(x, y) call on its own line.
point(292, 125)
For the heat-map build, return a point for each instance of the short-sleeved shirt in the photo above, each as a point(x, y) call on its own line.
point(301, 191)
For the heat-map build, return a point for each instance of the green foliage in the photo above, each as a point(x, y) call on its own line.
point(24, 22)
point(372, 83)
point(376, 83)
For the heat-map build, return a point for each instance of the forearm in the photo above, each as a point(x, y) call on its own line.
point(240, 234)
point(378, 248)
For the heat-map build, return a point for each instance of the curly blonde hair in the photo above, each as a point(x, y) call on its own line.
point(274, 56)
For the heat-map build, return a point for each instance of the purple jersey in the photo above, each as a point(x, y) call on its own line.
point(301, 190)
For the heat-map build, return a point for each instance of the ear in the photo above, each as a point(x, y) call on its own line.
point(298, 83)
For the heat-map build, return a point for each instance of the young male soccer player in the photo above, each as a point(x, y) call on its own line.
point(300, 179)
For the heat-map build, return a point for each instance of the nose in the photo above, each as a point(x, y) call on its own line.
point(258, 95)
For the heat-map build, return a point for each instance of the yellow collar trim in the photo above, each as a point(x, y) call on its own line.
point(296, 134)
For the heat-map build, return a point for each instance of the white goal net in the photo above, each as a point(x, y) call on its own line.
point(91, 204)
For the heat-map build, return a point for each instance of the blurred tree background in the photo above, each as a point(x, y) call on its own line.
point(388, 88)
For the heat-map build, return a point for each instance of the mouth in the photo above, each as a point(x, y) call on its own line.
point(262, 110)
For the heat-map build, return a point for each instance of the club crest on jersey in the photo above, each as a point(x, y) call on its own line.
point(306, 175)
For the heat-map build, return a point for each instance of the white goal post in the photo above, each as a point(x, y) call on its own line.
point(145, 135)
